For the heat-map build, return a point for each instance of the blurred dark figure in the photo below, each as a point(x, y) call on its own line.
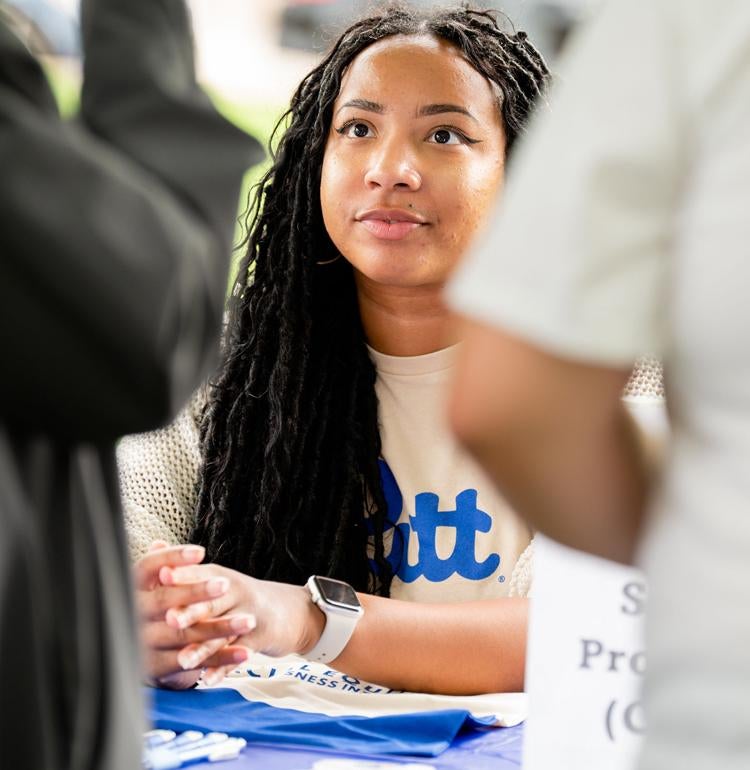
point(114, 238)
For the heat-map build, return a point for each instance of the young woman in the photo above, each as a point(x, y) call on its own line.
point(323, 448)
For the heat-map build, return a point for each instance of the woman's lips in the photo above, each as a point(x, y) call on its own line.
point(389, 231)
point(390, 224)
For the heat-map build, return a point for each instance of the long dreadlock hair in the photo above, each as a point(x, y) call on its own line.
point(290, 484)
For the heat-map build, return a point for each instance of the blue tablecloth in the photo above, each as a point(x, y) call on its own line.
point(490, 749)
point(474, 747)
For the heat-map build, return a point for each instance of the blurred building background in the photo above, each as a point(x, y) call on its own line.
point(251, 54)
point(256, 51)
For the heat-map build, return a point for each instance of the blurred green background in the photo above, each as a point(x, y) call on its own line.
point(257, 119)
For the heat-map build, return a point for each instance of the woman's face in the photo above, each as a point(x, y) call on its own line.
point(413, 161)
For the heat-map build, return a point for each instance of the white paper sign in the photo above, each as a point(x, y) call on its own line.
point(585, 662)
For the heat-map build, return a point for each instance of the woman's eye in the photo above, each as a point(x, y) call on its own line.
point(446, 136)
point(358, 130)
point(450, 136)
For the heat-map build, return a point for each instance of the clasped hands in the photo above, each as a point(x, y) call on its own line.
point(206, 619)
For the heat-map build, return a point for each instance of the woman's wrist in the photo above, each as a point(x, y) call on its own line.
point(315, 622)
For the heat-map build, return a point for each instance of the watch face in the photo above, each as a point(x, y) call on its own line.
point(337, 593)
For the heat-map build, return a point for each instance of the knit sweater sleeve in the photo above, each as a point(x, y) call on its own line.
point(646, 382)
point(158, 473)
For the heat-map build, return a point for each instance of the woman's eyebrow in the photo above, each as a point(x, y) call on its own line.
point(426, 110)
point(363, 104)
point(439, 109)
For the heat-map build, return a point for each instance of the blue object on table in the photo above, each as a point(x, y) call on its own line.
point(491, 749)
point(424, 734)
point(189, 736)
point(155, 738)
point(190, 747)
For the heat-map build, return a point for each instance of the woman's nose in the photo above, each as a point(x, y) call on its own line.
point(391, 167)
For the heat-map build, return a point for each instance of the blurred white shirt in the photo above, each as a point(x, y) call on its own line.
point(626, 230)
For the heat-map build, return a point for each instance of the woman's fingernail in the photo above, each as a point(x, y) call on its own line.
point(240, 655)
point(189, 660)
point(243, 623)
point(165, 576)
point(212, 677)
point(193, 553)
point(217, 586)
point(180, 619)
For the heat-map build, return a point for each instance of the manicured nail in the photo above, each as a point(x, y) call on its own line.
point(243, 623)
point(193, 553)
point(165, 576)
point(212, 677)
point(217, 586)
point(181, 619)
point(240, 655)
point(189, 660)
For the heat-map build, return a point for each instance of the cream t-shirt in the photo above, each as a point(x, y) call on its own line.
point(459, 540)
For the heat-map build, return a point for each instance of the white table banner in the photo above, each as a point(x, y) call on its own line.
point(585, 662)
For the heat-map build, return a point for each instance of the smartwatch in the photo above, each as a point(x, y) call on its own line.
point(339, 603)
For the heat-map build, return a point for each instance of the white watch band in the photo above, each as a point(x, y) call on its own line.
point(338, 630)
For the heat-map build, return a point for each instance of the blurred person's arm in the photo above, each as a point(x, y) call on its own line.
point(115, 231)
point(569, 288)
point(555, 437)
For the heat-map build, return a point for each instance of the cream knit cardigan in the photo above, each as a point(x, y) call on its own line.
point(158, 473)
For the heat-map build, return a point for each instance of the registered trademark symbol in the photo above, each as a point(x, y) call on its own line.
point(501, 579)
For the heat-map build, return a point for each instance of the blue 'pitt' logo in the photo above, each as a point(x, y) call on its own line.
point(466, 519)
